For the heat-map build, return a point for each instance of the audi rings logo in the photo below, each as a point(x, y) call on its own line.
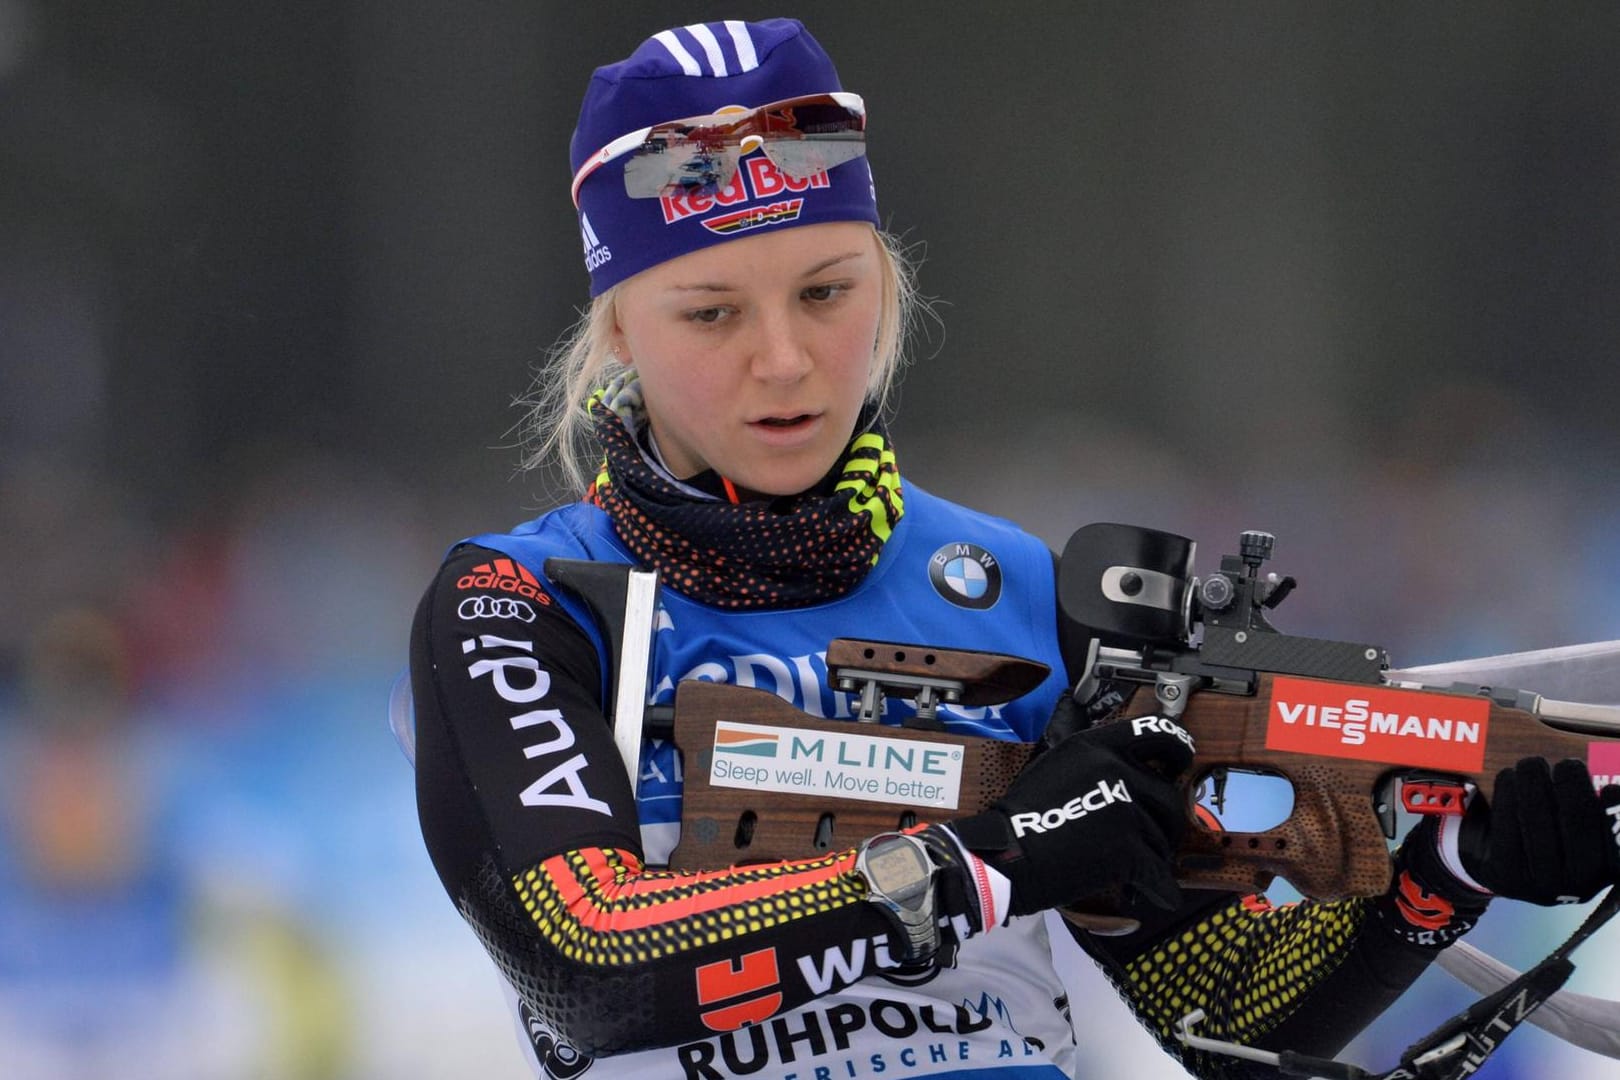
point(495, 607)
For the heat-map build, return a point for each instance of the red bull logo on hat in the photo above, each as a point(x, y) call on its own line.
point(759, 178)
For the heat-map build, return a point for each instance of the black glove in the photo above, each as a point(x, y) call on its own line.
point(1545, 835)
point(1097, 809)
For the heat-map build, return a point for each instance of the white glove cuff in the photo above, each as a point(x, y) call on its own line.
point(991, 888)
point(1446, 845)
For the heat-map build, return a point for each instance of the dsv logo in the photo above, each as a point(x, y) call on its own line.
point(495, 607)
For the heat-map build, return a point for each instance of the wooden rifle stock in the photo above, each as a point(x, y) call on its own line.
point(726, 825)
point(740, 743)
point(1331, 846)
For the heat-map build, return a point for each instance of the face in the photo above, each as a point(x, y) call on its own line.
point(754, 354)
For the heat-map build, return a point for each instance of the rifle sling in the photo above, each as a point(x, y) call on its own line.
point(1459, 1046)
point(1454, 1050)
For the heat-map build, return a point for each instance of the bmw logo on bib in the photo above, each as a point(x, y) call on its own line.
point(966, 575)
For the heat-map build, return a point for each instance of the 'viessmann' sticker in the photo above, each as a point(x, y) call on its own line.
point(761, 757)
point(1372, 723)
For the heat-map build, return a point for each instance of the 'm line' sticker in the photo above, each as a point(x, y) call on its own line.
point(1373, 723)
point(760, 757)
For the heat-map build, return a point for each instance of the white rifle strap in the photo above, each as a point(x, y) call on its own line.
point(635, 660)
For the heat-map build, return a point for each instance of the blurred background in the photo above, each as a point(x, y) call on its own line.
point(271, 276)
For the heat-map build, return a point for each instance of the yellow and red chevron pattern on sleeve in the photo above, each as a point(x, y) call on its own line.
point(1246, 966)
point(598, 906)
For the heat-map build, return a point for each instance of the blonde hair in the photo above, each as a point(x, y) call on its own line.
point(556, 429)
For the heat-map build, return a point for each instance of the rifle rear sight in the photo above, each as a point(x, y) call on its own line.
point(1234, 595)
point(1133, 590)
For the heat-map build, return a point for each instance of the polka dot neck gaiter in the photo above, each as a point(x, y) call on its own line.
point(791, 551)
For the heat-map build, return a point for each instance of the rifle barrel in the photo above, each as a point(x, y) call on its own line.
point(1577, 716)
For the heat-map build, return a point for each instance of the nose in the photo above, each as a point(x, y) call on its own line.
point(781, 349)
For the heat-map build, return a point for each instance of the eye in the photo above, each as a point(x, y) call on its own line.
point(825, 293)
point(707, 316)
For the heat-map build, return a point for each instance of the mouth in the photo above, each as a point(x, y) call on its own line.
point(785, 422)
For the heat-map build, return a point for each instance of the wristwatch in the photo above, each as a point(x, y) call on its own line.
point(899, 879)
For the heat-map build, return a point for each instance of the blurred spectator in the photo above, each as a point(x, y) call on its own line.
point(104, 970)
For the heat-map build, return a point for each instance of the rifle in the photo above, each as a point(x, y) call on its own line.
point(1353, 738)
point(1354, 743)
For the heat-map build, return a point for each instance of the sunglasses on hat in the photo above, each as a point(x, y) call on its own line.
point(802, 136)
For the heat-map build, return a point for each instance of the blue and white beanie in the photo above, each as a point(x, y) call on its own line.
point(693, 71)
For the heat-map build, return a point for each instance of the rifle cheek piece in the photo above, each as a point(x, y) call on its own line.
point(1130, 587)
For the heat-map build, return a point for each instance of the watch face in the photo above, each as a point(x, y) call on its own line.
point(894, 865)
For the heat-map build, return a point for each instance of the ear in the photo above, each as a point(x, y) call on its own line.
point(618, 344)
